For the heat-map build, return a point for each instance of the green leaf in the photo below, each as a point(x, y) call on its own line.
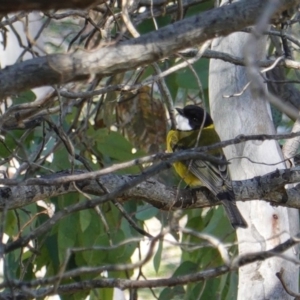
point(232, 283)
point(24, 97)
point(146, 212)
point(185, 268)
point(67, 234)
point(79, 295)
point(117, 254)
point(196, 9)
point(28, 274)
point(166, 293)
point(157, 256)
point(5, 148)
point(148, 25)
point(171, 80)
point(276, 116)
point(11, 221)
point(84, 219)
point(13, 261)
point(194, 290)
point(115, 146)
point(211, 290)
point(99, 294)
point(49, 255)
point(186, 78)
point(219, 224)
point(94, 235)
point(175, 293)
point(60, 160)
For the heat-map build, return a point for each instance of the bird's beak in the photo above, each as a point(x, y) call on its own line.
point(180, 110)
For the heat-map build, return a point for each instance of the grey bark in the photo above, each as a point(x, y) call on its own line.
point(250, 114)
point(151, 47)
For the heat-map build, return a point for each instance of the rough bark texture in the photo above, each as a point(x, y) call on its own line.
point(29, 5)
point(268, 225)
point(62, 68)
point(269, 187)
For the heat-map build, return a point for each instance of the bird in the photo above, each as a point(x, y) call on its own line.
point(195, 128)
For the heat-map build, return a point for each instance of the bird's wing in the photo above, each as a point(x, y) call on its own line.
point(177, 141)
point(212, 175)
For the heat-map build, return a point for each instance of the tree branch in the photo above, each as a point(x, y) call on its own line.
point(151, 47)
point(151, 283)
point(269, 187)
point(30, 5)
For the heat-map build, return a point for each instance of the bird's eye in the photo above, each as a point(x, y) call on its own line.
point(195, 119)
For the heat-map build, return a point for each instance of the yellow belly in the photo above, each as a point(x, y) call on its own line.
point(175, 138)
point(187, 176)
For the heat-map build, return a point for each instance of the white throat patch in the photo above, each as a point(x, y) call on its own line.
point(183, 123)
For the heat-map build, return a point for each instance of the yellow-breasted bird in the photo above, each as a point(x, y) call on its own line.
point(198, 172)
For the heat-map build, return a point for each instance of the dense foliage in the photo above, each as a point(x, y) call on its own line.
point(94, 124)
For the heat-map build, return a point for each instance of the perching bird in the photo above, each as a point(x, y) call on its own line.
point(198, 172)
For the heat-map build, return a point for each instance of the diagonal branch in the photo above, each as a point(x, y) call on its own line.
point(30, 5)
point(151, 47)
point(157, 194)
point(161, 282)
point(270, 187)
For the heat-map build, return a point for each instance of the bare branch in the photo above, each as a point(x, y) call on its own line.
point(151, 47)
point(161, 282)
point(158, 195)
point(30, 5)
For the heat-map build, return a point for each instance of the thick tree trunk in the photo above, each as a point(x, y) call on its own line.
point(249, 114)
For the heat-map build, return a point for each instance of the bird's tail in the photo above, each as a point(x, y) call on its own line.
point(235, 217)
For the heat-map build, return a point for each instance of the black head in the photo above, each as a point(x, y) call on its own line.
point(191, 118)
